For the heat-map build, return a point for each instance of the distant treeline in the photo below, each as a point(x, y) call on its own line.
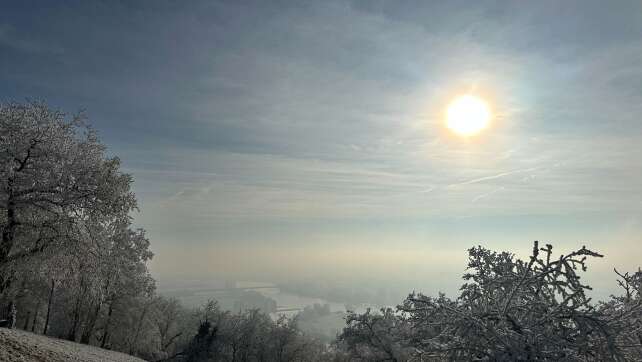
point(72, 266)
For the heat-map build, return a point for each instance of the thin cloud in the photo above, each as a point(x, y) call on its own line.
point(499, 175)
point(487, 194)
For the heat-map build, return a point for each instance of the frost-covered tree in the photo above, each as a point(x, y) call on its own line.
point(167, 321)
point(68, 252)
point(625, 315)
point(511, 309)
point(123, 276)
point(53, 173)
point(376, 336)
point(508, 310)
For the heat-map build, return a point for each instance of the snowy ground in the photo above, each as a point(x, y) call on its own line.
point(17, 345)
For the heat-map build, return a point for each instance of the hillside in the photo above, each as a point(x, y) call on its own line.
point(18, 345)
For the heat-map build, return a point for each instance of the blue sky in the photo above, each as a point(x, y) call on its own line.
point(306, 139)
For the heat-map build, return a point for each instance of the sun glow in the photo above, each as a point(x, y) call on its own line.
point(467, 115)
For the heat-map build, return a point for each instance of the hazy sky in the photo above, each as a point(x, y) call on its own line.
point(276, 140)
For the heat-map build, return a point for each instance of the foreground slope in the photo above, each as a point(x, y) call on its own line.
point(18, 345)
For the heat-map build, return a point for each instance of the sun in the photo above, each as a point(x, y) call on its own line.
point(467, 115)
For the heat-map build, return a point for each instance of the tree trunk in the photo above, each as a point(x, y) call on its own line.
point(71, 336)
point(25, 325)
point(6, 244)
point(89, 329)
point(103, 343)
point(8, 231)
point(49, 302)
point(13, 313)
point(35, 319)
point(138, 327)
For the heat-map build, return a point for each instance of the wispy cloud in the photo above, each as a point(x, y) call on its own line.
point(493, 177)
point(477, 198)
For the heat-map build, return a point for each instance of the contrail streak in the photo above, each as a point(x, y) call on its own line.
point(486, 178)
